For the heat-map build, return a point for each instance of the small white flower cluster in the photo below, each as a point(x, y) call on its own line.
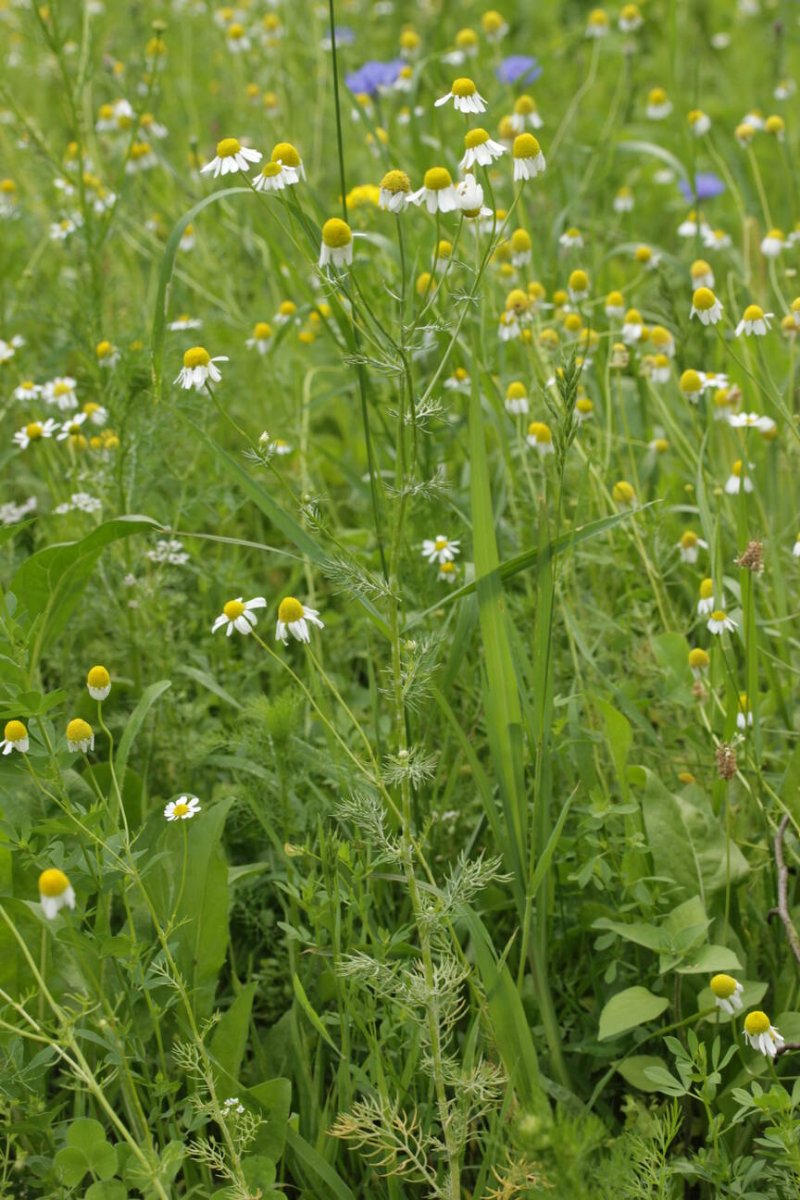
point(232, 1107)
point(11, 513)
point(169, 551)
point(79, 502)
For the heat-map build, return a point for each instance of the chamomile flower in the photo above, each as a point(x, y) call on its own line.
point(336, 248)
point(286, 153)
point(623, 201)
point(691, 384)
point(184, 321)
point(395, 191)
point(15, 737)
point(659, 104)
point(744, 133)
point(735, 483)
point(773, 243)
point(61, 392)
point(448, 572)
point(440, 549)
point(796, 547)
point(702, 274)
point(659, 368)
point(479, 149)
point(71, 427)
point(34, 431)
point(598, 24)
point(754, 322)
point(95, 413)
point(98, 682)
point(465, 97)
point(526, 113)
point(571, 238)
point(80, 737)
point(630, 19)
point(744, 715)
point(716, 239)
point(198, 368)
point(699, 661)
point(699, 122)
point(236, 38)
point(55, 892)
point(751, 420)
point(662, 341)
point(727, 994)
point(719, 622)
point(516, 401)
point(27, 390)
point(623, 494)
point(528, 158)
point(690, 546)
point(494, 26)
point(632, 327)
point(261, 338)
point(615, 306)
point(238, 614)
point(231, 157)
point(470, 198)
point(182, 809)
point(705, 603)
point(107, 354)
point(437, 191)
point(775, 126)
point(521, 247)
point(540, 437)
point(688, 226)
point(706, 307)
point(294, 618)
point(584, 409)
point(274, 177)
point(458, 381)
point(761, 1035)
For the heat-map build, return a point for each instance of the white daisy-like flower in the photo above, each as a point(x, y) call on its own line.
point(761, 1035)
point(294, 618)
point(440, 549)
point(659, 105)
point(61, 230)
point(27, 390)
point(509, 327)
point(261, 339)
point(61, 392)
point(516, 401)
point(699, 122)
point(715, 239)
point(660, 370)
point(71, 427)
point(706, 307)
point(727, 994)
point(448, 572)
point(336, 247)
point(623, 201)
point(98, 683)
point(751, 420)
point(598, 25)
point(275, 176)
point(528, 157)
point(465, 97)
point(773, 243)
point(55, 892)
point(706, 603)
point(719, 622)
point(690, 546)
point(458, 382)
point(182, 809)
point(395, 191)
point(796, 547)
point(34, 431)
point(97, 413)
point(702, 275)
point(735, 483)
point(480, 150)
point(198, 368)
point(755, 322)
point(630, 19)
point(688, 229)
point(744, 714)
point(188, 241)
point(437, 192)
point(238, 614)
point(470, 198)
point(15, 737)
point(230, 158)
point(540, 437)
point(80, 736)
point(632, 327)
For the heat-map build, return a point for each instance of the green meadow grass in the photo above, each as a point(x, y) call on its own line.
point(466, 861)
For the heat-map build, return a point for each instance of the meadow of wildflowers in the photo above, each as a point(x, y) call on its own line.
point(400, 613)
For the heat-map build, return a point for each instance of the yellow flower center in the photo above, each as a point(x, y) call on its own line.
point(524, 106)
point(704, 299)
point(409, 39)
point(736, 469)
point(34, 431)
point(396, 181)
point(180, 809)
point(526, 146)
point(697, 659)
point(463, 87)
point(285, 152)
point(598, 17)
point(336, 233)
point(15, 731)
point(633, 316)
point(706, 589)
point(62, 389)
point(233, 609)
point(700, 267)
point(492, 21)
point(475, 137)
point(657, 96)
point(103, 349)
point(53, 882)
point(262, 331)
point(437, 178)
point(615, 300)
point(98, 677)
point(689, 539)
point(579, 281)
point(290, 610)
point(235, 30)
point(140, 149)
point(753, 313)
point(540, 431)
point(520, 241)
point(516, 391)
point(196, 356)
point(691, 382)
point(622, 492)
point(756, 1022)
point(718, 614)
point(466, 39)
point(228, 147)
point(271, 169)
point(78, 730)
point(287, 308)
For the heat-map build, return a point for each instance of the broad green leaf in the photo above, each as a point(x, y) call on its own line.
point(50, 583)
point(71, 1165)
point(273, 1097)
point(634, 931)
point(135, 721)
point(709, 959)
point(259, 1171)
point(229, 1040)
point(305, 1004)
point(619, 737)
point(109, 1189)
point(628, 1009)
point(634, 1070)
point(324, 1182)
point(664, 1081)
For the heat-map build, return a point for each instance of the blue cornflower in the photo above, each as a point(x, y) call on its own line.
point(519, 68)
point(373, 77)
point(707, 185)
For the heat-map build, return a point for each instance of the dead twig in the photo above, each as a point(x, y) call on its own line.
point(782, 907)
